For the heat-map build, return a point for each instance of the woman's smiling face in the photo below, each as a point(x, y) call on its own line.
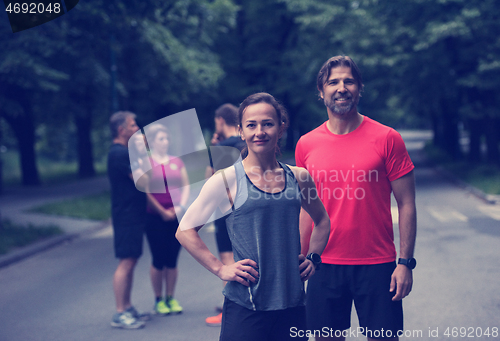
point(260, 128)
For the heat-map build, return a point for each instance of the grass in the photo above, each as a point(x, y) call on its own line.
point(50, 171)
point(15, 236)
point(483, 176)
point(486, 177)
point(93, 207)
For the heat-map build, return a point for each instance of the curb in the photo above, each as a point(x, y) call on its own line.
point(24, 252)
point(487, 198)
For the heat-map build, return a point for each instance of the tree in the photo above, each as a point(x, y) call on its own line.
point(164, 57)
point(25, 77)
point(258, 55)
point(420, 58)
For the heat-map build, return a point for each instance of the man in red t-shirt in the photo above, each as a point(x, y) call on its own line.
point(356, 163)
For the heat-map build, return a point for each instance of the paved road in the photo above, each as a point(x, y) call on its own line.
point(65, 293)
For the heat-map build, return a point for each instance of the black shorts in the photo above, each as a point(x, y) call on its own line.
point(333, 288)
point(242, 324)
point(221, 236)
point(127, 240)
point(162, 242)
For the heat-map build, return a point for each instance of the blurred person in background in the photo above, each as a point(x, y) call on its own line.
point(167, 173)
point(226, 134)
point(128, 211)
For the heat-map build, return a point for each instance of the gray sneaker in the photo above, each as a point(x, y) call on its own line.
point(125, 320)
point(137, 315)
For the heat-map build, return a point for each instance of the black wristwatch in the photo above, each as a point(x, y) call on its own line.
point(315, 259)
point(411, 263)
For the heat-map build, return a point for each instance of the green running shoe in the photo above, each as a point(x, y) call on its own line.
point(162, 308)
point(173, 304)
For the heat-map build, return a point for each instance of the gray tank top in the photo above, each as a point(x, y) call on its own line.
point(264, 227)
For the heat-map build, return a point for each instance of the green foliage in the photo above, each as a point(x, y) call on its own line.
point(422, 60)
point(12, 235)
point(156, 54)
point(24, 61)
point(93, 207)
point(436, 155)
point(425, 63)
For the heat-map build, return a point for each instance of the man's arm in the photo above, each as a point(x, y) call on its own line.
point(305, 220)
point(404, 192)
point(305, 226)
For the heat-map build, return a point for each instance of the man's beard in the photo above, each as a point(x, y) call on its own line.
point(339, 109)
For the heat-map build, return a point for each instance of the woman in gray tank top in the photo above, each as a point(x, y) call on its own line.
point(264, 297)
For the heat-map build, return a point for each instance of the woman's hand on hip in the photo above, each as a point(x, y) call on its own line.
point(243, 272)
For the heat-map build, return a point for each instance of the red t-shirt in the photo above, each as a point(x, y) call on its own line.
point(353, 174)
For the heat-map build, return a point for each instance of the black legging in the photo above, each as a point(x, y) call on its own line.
point(162, 242)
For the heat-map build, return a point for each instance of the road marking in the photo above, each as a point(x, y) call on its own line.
point(104, 233)
point(491, 211)
point(446, 214)
point(395, 214)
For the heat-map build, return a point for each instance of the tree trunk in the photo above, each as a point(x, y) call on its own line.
point(1, 175)
point(492, 131)
point(1, 168)
point(84, 145)
point(475, 132)
point(437, 128)
point(450, 129)
point(24, 130)
point(451, 140)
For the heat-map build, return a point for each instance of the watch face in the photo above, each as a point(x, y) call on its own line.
point(315, 258)
point(411, 263)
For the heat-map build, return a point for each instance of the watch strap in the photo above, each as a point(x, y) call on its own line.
point(410, 262)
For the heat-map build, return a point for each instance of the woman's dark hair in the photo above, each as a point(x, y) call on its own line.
point(263, 97)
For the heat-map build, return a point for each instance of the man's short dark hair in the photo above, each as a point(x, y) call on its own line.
point(117, 120)
point(324, 72)
point(229, 113)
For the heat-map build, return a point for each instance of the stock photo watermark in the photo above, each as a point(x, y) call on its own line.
point(431, 332)
point(26, 14)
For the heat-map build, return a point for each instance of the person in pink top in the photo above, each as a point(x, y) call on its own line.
point(356, 164)
point(161, 219)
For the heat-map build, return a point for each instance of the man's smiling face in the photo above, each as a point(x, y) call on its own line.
point(341, 92)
